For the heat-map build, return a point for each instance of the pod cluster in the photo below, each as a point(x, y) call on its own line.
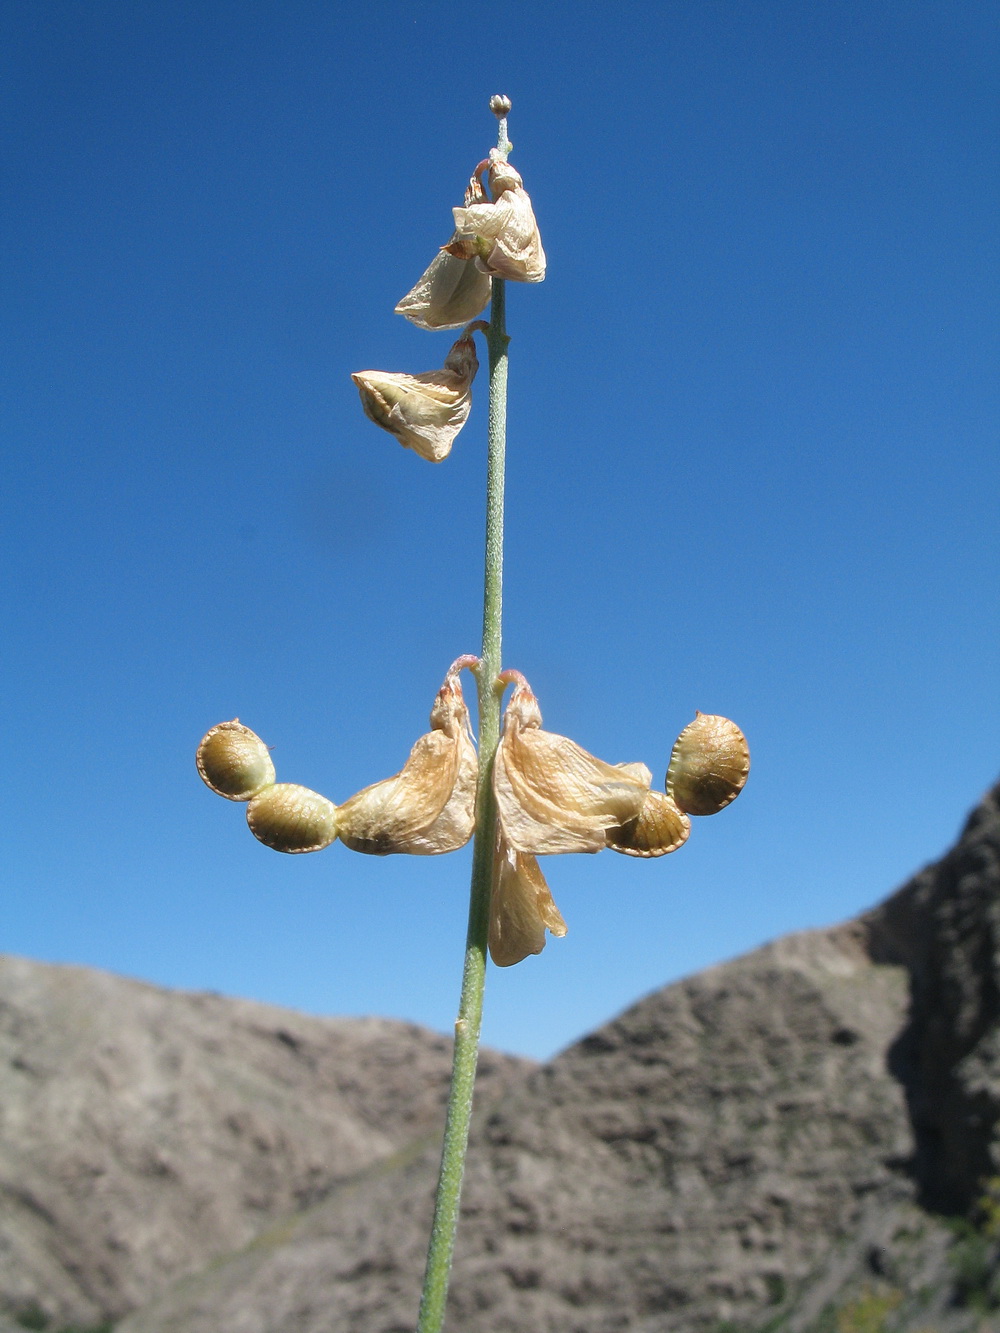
point(236, 764)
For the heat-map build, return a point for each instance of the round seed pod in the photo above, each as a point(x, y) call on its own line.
point(708, 765)
point(658, 829)
point(234, 761)
point(291, 818)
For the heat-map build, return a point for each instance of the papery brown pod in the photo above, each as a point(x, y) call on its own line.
point(552, 796)
point(430, 805)
point(424, 412)
point(501, 236)
point(521, 907)
point(660, 828)
point(708, 765)
point(234, 761)
point(290, 818)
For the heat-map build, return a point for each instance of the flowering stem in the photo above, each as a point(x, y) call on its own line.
point(470, 1007)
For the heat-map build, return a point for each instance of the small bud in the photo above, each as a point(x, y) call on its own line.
point(552, 796)
point(429, 806)
point(424, 412)
point(708, 765)
point(660, 828)
point(500, 105)
point(502, 237)
point(291, 818)
point(521, 908)
point(234, 761)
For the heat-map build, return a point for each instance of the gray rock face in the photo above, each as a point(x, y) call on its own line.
point(144, 1132)
point(759, 1147)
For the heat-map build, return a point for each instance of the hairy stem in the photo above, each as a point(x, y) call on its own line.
point(470, 1008)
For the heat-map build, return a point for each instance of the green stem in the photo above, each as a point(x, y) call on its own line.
point(470, 1007)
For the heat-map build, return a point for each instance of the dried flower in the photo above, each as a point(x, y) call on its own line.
point(552, 796)
point(430, 804)
point(448, 294)
point(290, 818)
point(424, 412)
point(709, 765)
point(521, 907)
point(234, 761)
point(502, 235)
point(491, 236)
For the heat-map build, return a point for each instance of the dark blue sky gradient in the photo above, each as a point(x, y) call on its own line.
point(753, 466)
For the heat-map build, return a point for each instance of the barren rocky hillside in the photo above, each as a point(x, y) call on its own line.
point(804, 1139)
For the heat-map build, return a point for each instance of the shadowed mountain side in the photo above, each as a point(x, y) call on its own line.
point(735, 1152)
point(144, 1131)
point(671, 1169)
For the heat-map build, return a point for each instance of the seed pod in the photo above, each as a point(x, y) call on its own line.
point(552, 796)
point(234, 761)
point(291, 818)
point(708, 765)
point(521, 907)
point(429, 806)
point(659, 829)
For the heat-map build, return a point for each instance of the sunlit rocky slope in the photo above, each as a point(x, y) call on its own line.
point(800, 1140)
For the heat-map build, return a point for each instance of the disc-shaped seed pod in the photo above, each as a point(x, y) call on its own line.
point(659, 829)
point(234, 761)
point(291, 818)
point(708, 765)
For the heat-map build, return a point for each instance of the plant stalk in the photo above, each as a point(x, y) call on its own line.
point(470, 1008)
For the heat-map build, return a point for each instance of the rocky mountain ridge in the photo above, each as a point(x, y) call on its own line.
point(804, 1139)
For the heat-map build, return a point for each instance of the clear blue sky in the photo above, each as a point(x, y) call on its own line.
point(753, 467)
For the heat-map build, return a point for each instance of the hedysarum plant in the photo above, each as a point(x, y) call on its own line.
point(526, 792)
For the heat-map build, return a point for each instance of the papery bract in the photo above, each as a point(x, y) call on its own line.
point(521, 907)
point(429, 806)
point(552, 796)
point(425, 412)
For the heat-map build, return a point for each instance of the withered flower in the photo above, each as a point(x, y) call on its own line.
point(491, 236)
point(552, 796)
point(500, 235)
point(430, 804)
point(521, 907)
point(424, 412)
point(449, 293)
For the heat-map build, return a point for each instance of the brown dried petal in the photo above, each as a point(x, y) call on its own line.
point(521, 908)
point(552, 795)
point(234, 761)
point(659, 829)
point(709, 765)
point(290, 818)
point(425, 412)
point(429, 806)
point(449, 294)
